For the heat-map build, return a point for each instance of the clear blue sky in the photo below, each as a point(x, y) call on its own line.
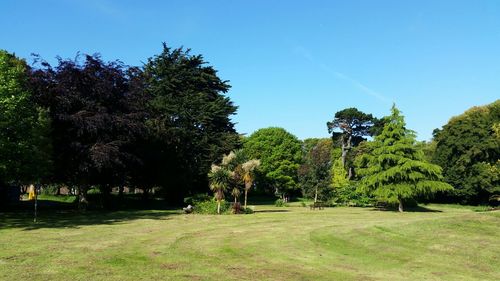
point(291, 64)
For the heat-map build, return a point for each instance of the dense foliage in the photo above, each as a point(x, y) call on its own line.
point(189, 120)
point(396, 170)
point(24, 127)
point(314, 172)
point(280, 155)
point(468, 149)
point(158, 126)
point(95, 120)
point(88, 125)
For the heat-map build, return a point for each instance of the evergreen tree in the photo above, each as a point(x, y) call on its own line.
point(353, 125)
point(396, 169)
point(189, 121)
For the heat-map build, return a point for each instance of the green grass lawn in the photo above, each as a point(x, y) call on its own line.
point(438, 243)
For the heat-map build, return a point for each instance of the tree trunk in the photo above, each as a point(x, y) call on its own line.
point(400, 207)
point(316, 195)
point(344, 154)
point(246, 194)
point(105, 194)
point(82, 198)
point(218, 207)
point(36, 205)
point(145, 194)
point(120, 196)
point(345, 148)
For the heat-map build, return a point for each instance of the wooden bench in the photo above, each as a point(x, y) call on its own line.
point(317, 205)
point(381, 205)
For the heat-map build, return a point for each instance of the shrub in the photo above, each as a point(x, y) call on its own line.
point(209, 207)
point(280, 203)
point(236, 208)
point(49, 189)
point(197, 198)
point(94, 190)
point(248, 211)
point(349, 196)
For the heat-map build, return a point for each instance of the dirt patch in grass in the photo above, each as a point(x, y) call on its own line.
point(171, 266)
point(192, 277)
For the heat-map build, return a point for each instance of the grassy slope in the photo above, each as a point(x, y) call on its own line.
point(276, 244)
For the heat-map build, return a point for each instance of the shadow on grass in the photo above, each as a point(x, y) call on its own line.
point(42, 204)
point(261, 200)
point(416, 209)
point(75, 219)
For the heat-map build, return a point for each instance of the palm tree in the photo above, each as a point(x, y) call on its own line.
point(232, 173)
point(232, 162)
point(220, 179)
point(248, 169)
point(236, 194)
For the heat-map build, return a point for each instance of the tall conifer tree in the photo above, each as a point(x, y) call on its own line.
point(396, 169)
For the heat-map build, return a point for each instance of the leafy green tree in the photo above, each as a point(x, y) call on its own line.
point(24, 127)
point(396, 170)
point(350, 126)
point(280, 156)
point(344, 191)
point(314, 172)
point(468, 149)
point(429, 149)
point(339, 175)
point(189, 121)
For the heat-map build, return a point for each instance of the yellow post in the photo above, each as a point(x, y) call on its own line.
point(31, 192)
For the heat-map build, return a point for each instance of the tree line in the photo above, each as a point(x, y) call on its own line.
point(165, 126)
point(369, 160)
point(87, 123)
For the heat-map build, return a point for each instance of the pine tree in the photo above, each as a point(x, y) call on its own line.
point(396, 169)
